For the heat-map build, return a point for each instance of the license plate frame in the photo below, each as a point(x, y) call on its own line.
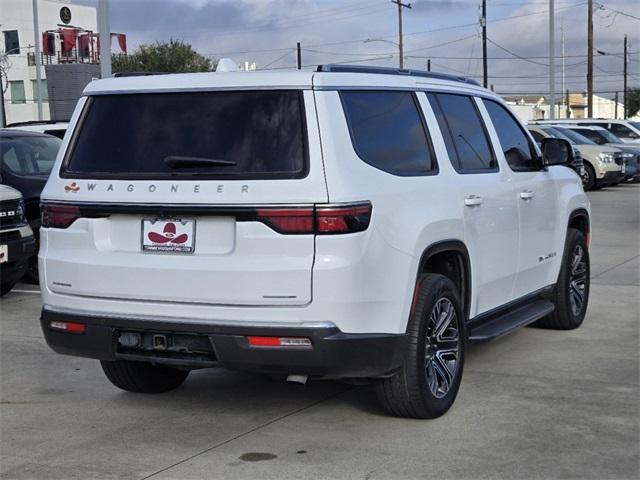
point(159, 237)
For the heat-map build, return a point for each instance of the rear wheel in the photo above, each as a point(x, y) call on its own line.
point(428, 382)
point(143, 377)
point(572, 290)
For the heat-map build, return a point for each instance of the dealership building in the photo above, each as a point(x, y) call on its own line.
point(69, 47)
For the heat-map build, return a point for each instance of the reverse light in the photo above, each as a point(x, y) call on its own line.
point(256, 341)
point(69, 327)
point(58, 215)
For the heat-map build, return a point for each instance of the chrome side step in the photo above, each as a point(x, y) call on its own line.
point(509, 321)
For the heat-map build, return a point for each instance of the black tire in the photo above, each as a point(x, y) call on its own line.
point(141, 377)
point(410, 392)
point(589, 179)
point(6, 288)
point(571, 282)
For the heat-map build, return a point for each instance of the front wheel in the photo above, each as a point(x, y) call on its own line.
point(588, 178)
point(142, 377)
point(427, 384)
point(571, 294)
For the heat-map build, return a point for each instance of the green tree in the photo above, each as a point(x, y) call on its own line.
point(633, 102)
point(173, 56)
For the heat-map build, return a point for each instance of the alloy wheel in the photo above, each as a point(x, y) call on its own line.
point(442, 347)
point(577, 280)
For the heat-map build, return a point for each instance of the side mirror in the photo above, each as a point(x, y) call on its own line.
point(556, 151)
point(601, 141)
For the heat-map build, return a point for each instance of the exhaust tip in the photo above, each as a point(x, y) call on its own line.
point(301, 379)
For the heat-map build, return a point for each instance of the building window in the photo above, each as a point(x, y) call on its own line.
point(45, 92)
point(11, 42)
point(17, 91)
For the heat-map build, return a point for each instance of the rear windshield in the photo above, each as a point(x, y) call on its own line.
point(206, 134)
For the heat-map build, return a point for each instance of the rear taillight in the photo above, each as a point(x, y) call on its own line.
point(319, 220)
point(342, 219)
point(287, 220)
point(58, 215)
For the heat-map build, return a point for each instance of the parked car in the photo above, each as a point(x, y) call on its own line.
point(17, 244)
point(577, 165)
point(626, 130)
point(26, 159)
point(352, 222)
point(603, 165)
point(57, 129)
point(630, 152)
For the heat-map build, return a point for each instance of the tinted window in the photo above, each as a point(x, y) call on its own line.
point(513, 140)
point(464, 134)
point(29, 155)
point(208, 134)
point(590, 134)
point(388, 132)
point(622, 131)
point(537, 136)
point(575, 137)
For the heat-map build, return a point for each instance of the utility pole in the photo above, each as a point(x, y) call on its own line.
point(105, 38)
point(552, 61)
point(36, 34)
point(428, 65)
point(299, 55)
point(483, 23)
point(400, 7)
point(590, 59)
point(615, 106)
point(567, 111)
point(3, 115)
point(563, 76)
point(624, 95)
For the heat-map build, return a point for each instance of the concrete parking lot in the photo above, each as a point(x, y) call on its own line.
point(535, 404)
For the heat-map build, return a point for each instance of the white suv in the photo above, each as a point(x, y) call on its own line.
point(352, 222)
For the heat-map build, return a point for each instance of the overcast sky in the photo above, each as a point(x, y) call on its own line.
point(447, 31)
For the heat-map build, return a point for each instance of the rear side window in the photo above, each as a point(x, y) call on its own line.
point(240, 134)
point(388, 132)
point(464, 133)
point(513, 140)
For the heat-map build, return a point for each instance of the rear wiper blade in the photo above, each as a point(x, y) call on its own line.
point(196, 162)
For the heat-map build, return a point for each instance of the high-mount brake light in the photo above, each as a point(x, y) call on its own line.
point(59, 215)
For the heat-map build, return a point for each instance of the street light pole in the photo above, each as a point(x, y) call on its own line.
point(36, 34)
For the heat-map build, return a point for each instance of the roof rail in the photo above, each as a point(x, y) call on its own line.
point(333, 67)
point(137, 74)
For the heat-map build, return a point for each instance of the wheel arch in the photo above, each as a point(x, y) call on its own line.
point(579, 219)
point(451, 259)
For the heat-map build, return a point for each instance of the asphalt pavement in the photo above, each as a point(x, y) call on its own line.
point(534, 404)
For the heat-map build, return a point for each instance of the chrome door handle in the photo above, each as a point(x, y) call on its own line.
point(527, 195)
point(472, 200)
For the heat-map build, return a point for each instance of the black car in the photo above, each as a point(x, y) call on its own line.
point(26, 159)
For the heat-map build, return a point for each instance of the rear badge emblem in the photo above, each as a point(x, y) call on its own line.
point(72, 187)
